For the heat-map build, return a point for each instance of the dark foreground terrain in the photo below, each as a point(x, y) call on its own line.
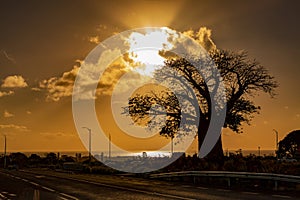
point(48, 184)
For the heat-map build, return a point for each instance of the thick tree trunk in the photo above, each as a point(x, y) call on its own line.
point(217, 152)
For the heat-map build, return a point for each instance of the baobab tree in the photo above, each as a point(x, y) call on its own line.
point(242, 77)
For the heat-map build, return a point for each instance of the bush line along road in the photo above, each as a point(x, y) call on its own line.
point(48, 184)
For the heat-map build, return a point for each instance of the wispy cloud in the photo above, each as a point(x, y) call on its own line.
point(203, 36)
point(58, 87)
point(14, 81)
point(94, 39)
point(2, 94)
point(15, 127)
point(7, 114)
point(101, 27)
point(36, 89)
point(54, 135)
point(8, 57)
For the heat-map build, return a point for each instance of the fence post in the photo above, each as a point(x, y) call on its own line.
point(276, 186)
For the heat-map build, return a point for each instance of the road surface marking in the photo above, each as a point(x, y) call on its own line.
point(41, 176)
point(254, 193)
point(49, 189)
point(132, 189)
point(281, 196)
point(33, 183)
point(66, 195)
point(122, 188)
point(37, 192)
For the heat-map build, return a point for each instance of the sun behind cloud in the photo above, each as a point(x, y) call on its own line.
point(143, 54)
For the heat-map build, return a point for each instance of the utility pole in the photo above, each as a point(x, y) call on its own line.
point(90, 142)
point(109, 146)
point(4, 151)
point(276, 138)
point(258, 151)
point(172, 147)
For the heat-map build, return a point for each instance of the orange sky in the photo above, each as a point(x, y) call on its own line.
point(40, 43)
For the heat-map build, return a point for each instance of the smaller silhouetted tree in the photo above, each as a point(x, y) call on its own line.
point(289, 147)
point(19, 159)
point(51, 158)
point(34, 160)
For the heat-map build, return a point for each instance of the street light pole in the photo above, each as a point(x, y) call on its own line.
point(276, 132)
point(109, 146)
point(90, 142)
point(172, 147)
point(4, 151)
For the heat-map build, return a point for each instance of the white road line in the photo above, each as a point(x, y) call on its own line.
point(49, 189)
point(33, 183)
point(254, 193)
point(12, 195)
point(1, 195)
point(39, 176)
point(281, 196)
point(66, 195)
point(121, 188)
point(36, 184)
point(132, 189)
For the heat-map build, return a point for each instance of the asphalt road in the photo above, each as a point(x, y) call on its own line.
point(52, 185)
point(12, 187)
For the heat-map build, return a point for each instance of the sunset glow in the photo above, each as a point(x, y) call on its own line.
point(41, 54)
point(143, 54)
point(149, 99)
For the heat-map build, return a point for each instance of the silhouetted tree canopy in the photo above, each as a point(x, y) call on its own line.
point(19, 159)
point(243, 79)
point(51, 158)
point(290, 145)
point(34, 159)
